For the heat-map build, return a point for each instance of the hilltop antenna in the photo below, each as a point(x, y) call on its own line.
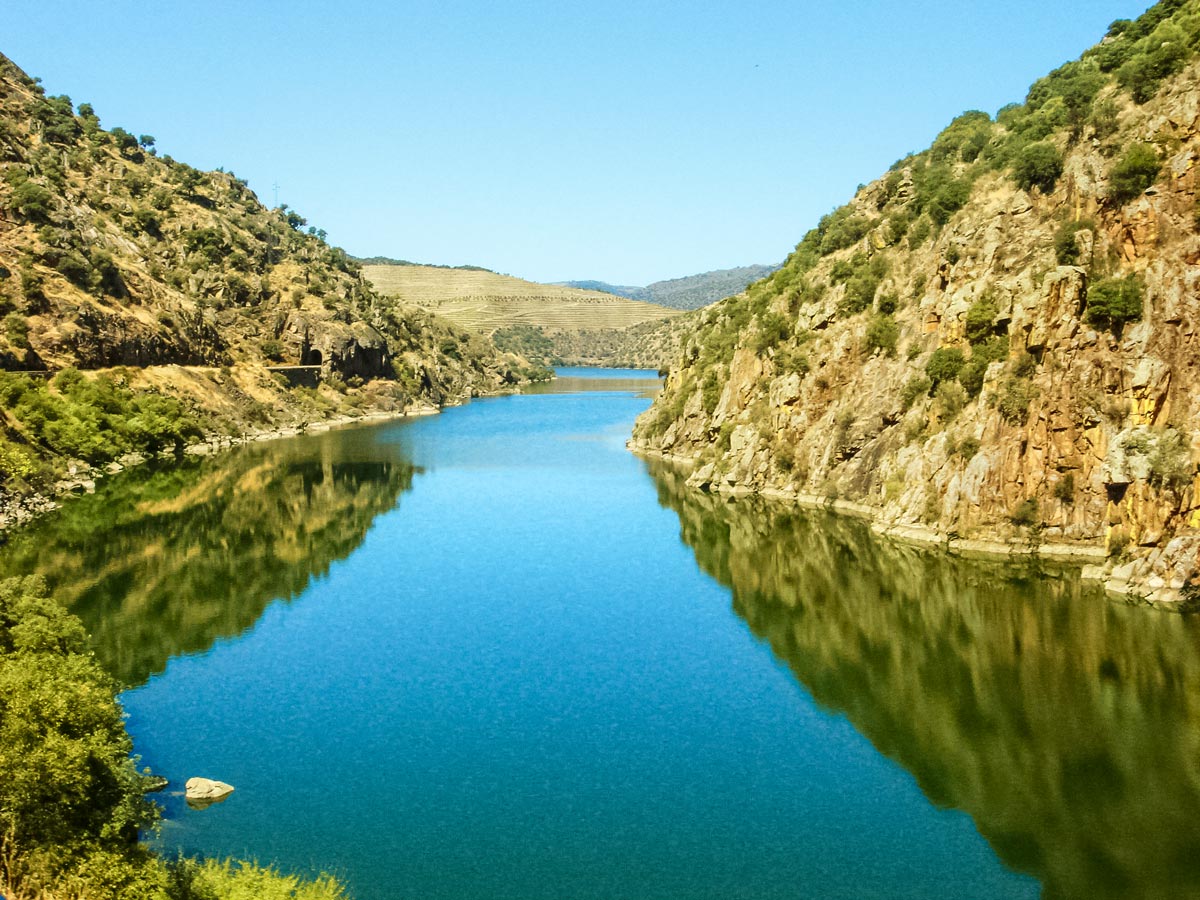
point(275, 188)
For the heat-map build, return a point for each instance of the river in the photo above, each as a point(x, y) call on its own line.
point(492, 654)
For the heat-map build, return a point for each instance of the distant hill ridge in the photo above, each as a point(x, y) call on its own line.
point(389, 261)
point(484, 301)
point(689, 292)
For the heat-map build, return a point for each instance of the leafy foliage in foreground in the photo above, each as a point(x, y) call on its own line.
point(71, 800)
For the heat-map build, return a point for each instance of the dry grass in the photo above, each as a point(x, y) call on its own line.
point(485, 301)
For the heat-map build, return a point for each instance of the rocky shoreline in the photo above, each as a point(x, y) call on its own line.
point(1137, 582)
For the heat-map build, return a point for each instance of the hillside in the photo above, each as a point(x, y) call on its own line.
point(551, 324)
point(689, 292)
point(111, 256)
point(484, 301)
point(993, 345)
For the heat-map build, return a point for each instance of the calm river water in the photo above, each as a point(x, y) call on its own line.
point(491, 654)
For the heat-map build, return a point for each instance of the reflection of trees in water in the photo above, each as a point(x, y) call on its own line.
point(168, 563)
point(1067, 727)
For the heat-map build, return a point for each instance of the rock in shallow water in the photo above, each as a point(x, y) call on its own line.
point(204, 792)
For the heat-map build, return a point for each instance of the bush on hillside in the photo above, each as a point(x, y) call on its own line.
point(1135, 171)
point(1038, 165)
point(944, 364)
point(1114, 301)
point(882, 334)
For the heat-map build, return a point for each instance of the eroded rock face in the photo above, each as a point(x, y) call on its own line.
point(354, 349)
point(1082, 433)
point(204, 792)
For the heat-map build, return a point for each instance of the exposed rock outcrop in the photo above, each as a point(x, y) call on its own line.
point(1025, 375)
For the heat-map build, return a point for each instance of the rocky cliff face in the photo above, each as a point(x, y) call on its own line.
point(995, 341)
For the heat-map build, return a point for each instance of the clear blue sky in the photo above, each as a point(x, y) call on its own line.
point(625, 141)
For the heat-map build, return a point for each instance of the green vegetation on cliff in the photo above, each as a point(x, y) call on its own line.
point(1023, 289)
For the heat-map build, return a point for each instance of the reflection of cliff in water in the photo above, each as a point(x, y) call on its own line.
point(1066, 726)
point(167, 563)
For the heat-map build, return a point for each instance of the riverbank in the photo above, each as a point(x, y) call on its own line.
point(1132, 581)
point(241, 406)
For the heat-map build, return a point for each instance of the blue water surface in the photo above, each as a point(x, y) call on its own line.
point(521, 685)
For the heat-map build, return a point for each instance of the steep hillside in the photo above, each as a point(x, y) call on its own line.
point(996, 341)
point(690, 292)
point(111, 256)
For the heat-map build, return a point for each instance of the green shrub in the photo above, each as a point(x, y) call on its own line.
point(16, 329)
point(919, 233)
point(981, 315)
point(16, 462)
point(229, 880)
point(1027, 514)
point(773, 327)
point(944, 365)
point(70, 800)
point(967, 448)
point(970, 376)
point(1135, 171)
point(1171, 461)
point(963, 138)
point(1114, 301)
point(1155, 59)
point(1038, 165)
point(710, 391)
point(882, 334)
point(843, 269)
point(32, 201)
point(841, 229)
point(951, 398)
point(1014, 400)
point(915, 387)
point(1066, 247)
point(862, 285)
point(1064, 489)
point(272, 349)
point(1104, 119)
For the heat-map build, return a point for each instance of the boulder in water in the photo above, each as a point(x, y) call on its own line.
point(204, 792)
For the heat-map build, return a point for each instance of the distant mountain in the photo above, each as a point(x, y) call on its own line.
point(690, 292)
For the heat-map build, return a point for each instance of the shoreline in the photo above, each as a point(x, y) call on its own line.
point(20, 510)
point(1090, 559)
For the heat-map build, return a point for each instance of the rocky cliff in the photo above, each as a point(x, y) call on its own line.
point(996, 341)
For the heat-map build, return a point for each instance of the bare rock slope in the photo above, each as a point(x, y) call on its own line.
point(996, 343)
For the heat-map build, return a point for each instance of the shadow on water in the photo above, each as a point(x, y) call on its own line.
point(1066, 726)
point(167, 563)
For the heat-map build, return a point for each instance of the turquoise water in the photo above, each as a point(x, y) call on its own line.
point(491, 654)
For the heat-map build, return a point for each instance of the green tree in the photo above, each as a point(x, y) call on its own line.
point(944, 364)
point(1113, 302)
point(882, 334)
point(1038, 165)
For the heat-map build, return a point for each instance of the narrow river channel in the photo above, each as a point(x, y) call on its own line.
point(491, 654)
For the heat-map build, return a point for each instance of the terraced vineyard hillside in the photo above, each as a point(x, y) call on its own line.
point(486, 301)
